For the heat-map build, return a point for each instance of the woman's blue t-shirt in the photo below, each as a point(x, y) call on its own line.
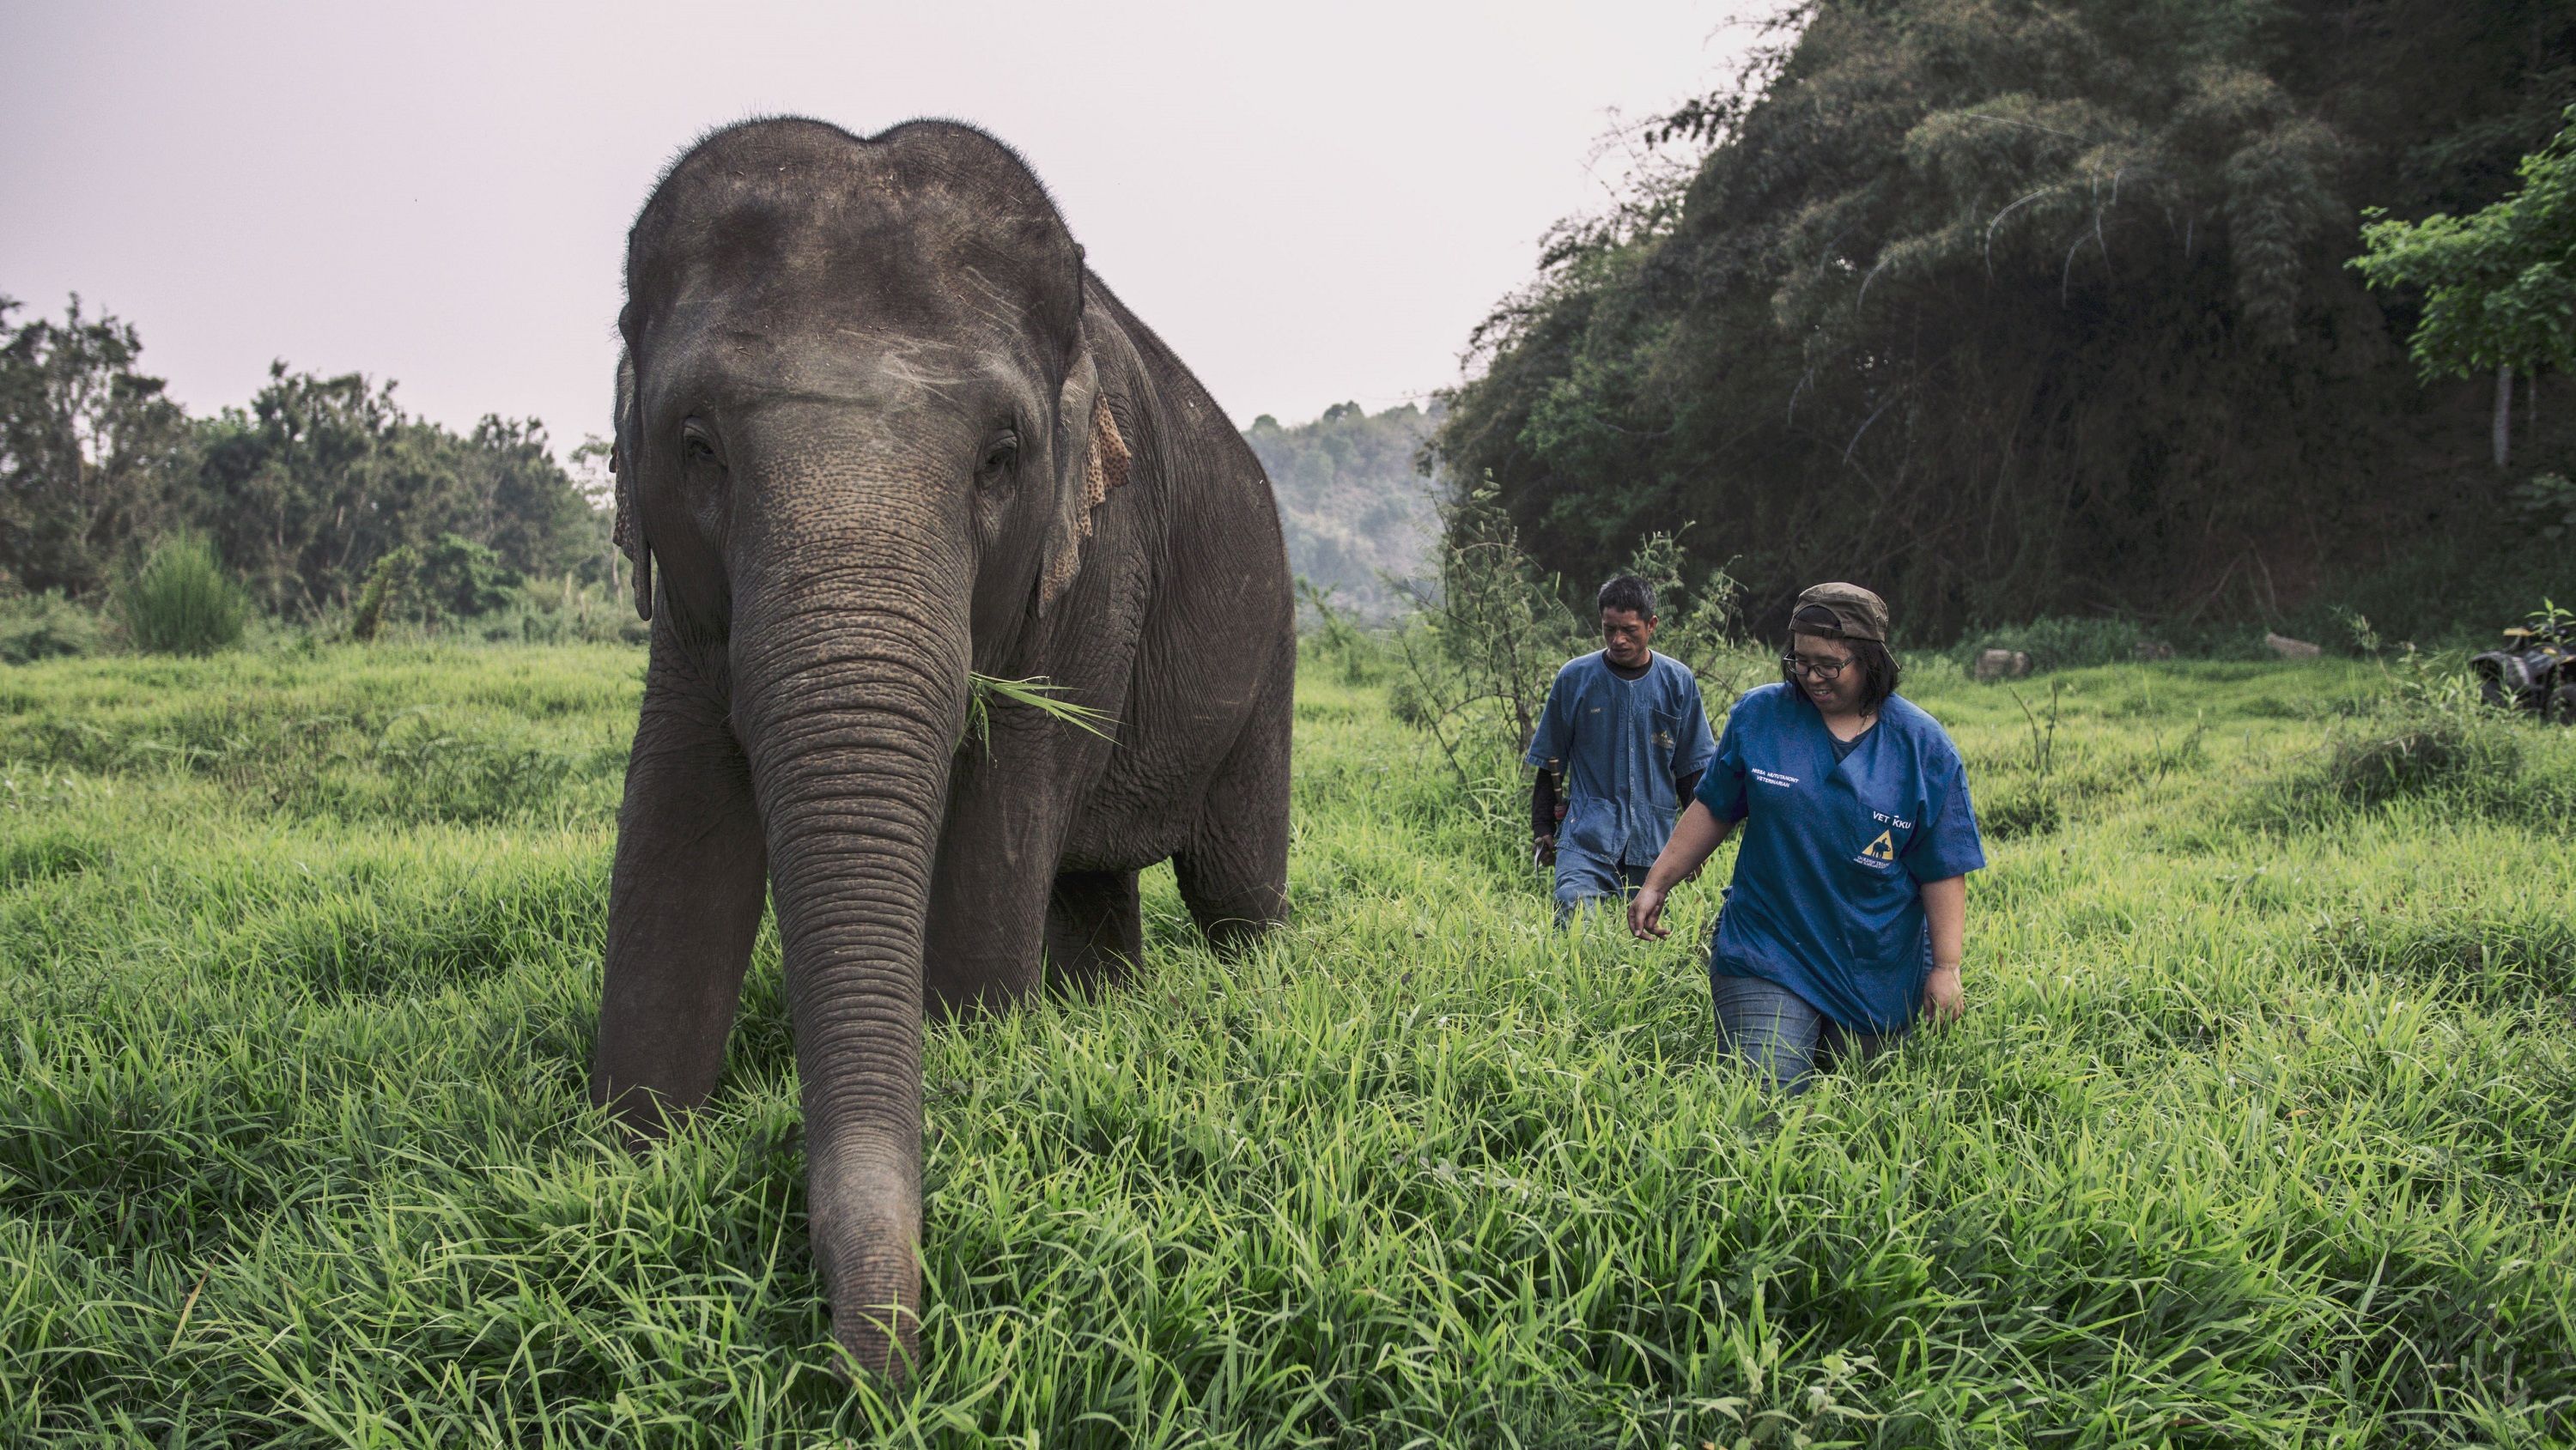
point(1827, 899)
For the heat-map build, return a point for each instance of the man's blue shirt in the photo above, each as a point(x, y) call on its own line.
point(1625, 746)
point(1827, 899)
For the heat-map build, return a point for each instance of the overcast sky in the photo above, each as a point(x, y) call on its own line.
point(1311, 202)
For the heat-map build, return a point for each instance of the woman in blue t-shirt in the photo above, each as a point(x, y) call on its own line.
point(1849, 907)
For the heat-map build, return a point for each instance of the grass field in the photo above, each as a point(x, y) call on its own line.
point(2261, 1129)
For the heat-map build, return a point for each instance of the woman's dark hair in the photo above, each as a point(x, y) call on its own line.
point(1627, 591)
point(1880, 672)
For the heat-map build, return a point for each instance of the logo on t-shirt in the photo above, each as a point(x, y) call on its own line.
point(1882, 849)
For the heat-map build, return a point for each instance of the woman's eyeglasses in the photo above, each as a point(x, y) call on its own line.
point(1814, 669)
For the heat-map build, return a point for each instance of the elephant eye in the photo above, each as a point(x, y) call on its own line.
point(695, 446)
point(999, 455)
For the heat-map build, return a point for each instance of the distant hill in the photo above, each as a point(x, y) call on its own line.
point(1351, 500)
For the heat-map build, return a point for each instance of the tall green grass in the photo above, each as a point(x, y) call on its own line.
point(2261, 1129)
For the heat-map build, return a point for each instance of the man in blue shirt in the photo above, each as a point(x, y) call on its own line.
point(1618, 748)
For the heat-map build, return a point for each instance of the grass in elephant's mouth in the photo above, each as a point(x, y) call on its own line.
point(2256, 1133)
point(986, 693)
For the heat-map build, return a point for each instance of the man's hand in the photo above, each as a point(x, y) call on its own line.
point(1543, 850)
point(1943, 998)
point(1645, 915)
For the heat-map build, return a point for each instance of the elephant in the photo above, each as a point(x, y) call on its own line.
point(880, 429)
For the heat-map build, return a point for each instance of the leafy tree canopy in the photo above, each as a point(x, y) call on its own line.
point(2018, 307)
point(2499, 283)
point(301, 492)
point(87, 448)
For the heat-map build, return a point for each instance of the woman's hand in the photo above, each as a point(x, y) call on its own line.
point(1694, 836)
point(1945, 916)
point(1645, 914)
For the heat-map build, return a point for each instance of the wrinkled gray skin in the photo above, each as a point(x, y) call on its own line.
point(878, 426)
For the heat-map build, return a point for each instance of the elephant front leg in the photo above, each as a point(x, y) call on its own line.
point(683, 905)
point(998, 851)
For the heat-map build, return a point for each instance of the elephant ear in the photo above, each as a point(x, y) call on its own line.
point(628, 534)
point(1091, 459)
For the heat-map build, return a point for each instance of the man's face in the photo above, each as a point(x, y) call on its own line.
point(1625, 636)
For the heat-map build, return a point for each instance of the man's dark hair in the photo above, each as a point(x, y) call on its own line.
point(1880, 672)
point(1627, 591)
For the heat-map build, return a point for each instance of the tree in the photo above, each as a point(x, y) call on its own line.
point(2014, 307)
point(322, 477)
point(300, 493)
point(296, 490)
point(2499, 284)
point(533, 515)
point(446, 579)
point(88, 449)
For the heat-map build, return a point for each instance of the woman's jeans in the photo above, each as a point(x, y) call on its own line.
point(1773, 1031)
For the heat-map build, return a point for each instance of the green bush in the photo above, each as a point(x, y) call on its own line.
point(450, 579)
point(465, 579)
point(2021, 808)
point(44, 626)
point(2548, 503)
point(2418, 750)
point(182, 602)
point(391, 583)
point(2425, 736)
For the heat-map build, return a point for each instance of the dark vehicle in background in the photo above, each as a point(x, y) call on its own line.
point(2536, 669)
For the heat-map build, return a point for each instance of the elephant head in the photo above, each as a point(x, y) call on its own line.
point(860, 433)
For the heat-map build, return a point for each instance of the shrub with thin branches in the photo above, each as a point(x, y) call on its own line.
point(1486, 644)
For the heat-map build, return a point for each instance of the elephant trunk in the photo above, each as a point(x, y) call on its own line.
point(850, 693)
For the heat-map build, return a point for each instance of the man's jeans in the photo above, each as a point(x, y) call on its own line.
point(1774, 1032)
point(1585, 880)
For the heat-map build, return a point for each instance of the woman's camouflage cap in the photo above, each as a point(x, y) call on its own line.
point(1858, 614)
